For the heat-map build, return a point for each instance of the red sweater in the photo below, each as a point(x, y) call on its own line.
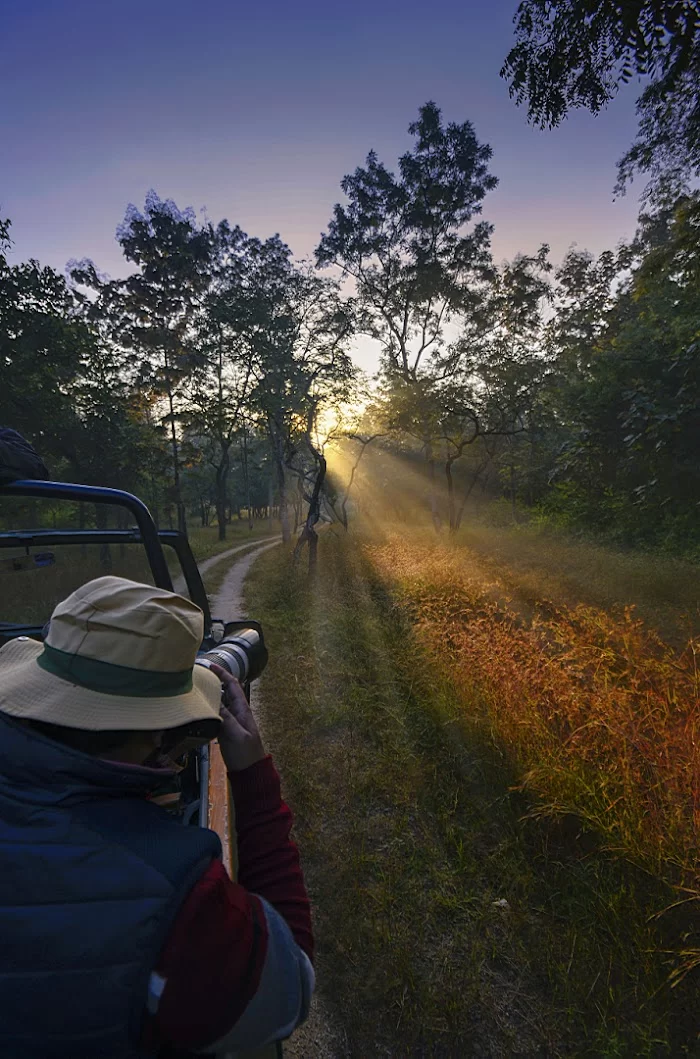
point(213, 959)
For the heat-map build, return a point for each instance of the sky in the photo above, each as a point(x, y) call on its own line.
point(255, 109)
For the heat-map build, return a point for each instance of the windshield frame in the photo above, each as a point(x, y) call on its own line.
point(144, 533)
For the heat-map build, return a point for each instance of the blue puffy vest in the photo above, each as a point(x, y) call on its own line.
point(91, 878)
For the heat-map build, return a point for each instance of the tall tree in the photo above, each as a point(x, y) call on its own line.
point(222, 374)
point(324, 377)
point(408, 243)
point(300, 328)
point(173, 255)
point(492, 374)
point(626, 381)
point(43, 340)
point(266, 324)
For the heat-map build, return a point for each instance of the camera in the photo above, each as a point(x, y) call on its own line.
point(241, 651)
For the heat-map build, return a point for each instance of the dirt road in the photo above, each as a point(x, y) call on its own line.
point(206, 564)
point(319, 1037)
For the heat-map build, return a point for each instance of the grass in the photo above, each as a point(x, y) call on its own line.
point(452, 917)
point(533, 562)
point(29, 596)
point(214, 577)
point(600, 716)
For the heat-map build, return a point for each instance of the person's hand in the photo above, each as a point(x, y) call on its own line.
point(239, 738)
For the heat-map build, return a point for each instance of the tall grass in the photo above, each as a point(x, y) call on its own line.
point(533, 562)
point(600, 717)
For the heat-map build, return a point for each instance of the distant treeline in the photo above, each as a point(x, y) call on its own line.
point(209, 379)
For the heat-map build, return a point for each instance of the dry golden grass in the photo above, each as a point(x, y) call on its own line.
point(601, 716)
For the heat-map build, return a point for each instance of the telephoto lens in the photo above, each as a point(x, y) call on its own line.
point(241, 651)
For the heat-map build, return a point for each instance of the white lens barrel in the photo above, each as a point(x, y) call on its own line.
point(230, 656)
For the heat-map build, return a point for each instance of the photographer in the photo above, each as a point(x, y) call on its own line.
point(123, 935)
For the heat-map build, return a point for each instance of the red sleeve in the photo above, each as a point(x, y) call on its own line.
point(268, 860)
point(213, 958)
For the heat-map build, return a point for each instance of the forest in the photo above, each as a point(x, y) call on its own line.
point(209, 378)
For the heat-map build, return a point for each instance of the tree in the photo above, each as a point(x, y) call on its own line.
point(493, 372)
point(408, 245)
point(222, 372)
point(577, 53)
point(364, 442)
point(155, 304)
point(301, 366)
point(43, 340)
point(625, 384)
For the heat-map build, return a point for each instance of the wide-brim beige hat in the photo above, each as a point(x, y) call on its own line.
point(118, 656)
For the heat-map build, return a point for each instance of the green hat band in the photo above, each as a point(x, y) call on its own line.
point(112, 679)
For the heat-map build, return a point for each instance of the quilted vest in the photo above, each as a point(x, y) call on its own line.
point(91, 878)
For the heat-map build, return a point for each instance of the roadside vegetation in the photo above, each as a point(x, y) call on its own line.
point(496, 814)
point(30, 590)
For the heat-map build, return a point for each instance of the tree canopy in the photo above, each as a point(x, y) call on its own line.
point(577, 53)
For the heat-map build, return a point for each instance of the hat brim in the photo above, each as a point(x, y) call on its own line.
point(27, 690)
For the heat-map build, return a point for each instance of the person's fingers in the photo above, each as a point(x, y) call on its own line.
point(232, 689)
point(226, 678)
point(234, 697)
point(229, 719)
point(231, 728)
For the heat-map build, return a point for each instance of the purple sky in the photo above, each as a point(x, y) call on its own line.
point(257, 109)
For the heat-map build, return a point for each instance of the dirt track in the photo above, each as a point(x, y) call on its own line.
point(319, 1037)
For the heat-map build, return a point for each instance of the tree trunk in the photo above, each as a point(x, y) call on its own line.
point(298, 504)
point(450, 493)
point(468, 493)
point(309, 534)
point(246, 476)
point(270, 500)
point(356, 464)
point(434, 511)
point(181, 520)
point(282, 487)
point(221, 484)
